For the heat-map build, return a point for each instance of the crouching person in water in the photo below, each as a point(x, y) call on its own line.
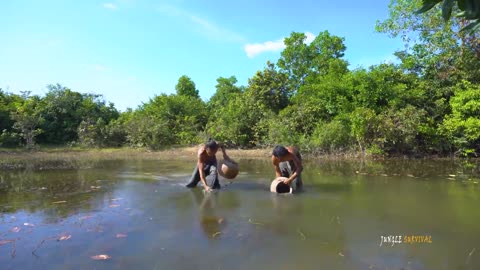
point(288, 163)
point(206, 169)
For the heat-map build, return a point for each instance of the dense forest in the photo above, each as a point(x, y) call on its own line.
point(426, 104)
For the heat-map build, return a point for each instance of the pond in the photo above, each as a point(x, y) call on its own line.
point(140, 216)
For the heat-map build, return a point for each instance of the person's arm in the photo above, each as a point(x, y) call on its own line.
point(225, 156)
point(202, 174)
point(276, 164)
point(298, 169)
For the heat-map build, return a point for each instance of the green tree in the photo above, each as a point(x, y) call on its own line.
point(332, 136)
point(116, 130)
point(384, 86)
point(325, 96)
point(225, 89)
point(244, 119)
point(8, 105)
point(183, 116)
point(402, 130)
point(186, 87)
point(435, 48)
point(60, 109)
point(365, 127)
point(462, 126)
point(147, 130)
point(299, 60)
point(439, 54)
point(64, 110)
point(235, 122)
point(28, 119)
point(317, 90)
point(92, 133)
point(269, 88)
point(296, 59)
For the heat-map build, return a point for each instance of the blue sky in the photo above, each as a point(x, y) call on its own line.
point(131, 50)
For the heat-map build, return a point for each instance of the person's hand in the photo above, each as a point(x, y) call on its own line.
point(287, 181)
point(207, 189)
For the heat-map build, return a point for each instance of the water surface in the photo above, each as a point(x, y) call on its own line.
point(140, 214)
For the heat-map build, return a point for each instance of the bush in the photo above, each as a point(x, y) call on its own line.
point(92, 133)
point(148, 131)
point(9, 139)
point(115, 134)
point(462, 126)
point(333, 136)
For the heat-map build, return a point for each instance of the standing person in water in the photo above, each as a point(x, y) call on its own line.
point(206, 169)
point(288, 163)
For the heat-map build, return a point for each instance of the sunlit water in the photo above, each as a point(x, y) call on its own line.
point(140, 214)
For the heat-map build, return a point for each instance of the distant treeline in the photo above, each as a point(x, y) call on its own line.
point(429, 103)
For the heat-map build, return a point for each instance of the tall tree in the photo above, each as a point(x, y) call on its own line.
point(269, 88)
point(182, 117)
point(8, 104)
point(462, 126)
point(186, 87)
point(28, 119)
point(225, 88)
point(64, 110)
point(296, 59)
point(434, 48)
point(300, 60)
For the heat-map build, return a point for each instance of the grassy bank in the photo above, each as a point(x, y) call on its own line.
point(76, 157)
point(70, 158)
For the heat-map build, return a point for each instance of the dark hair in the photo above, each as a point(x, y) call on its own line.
point(279, 151)
point(212, 144)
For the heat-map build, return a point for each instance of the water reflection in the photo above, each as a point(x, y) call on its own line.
point(335, 224)
point(210, 221)
point(57, 195)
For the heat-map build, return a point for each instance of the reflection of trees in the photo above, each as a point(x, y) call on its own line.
point(57, 193)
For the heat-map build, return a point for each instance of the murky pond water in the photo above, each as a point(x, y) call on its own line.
point(140, 214)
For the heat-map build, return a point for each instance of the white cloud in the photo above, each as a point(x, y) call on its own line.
point(206, 27)
point(310, 37)
point(271, 46)
point(391, 59)
point(110, 6)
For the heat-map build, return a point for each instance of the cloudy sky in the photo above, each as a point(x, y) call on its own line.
point(131, 50)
